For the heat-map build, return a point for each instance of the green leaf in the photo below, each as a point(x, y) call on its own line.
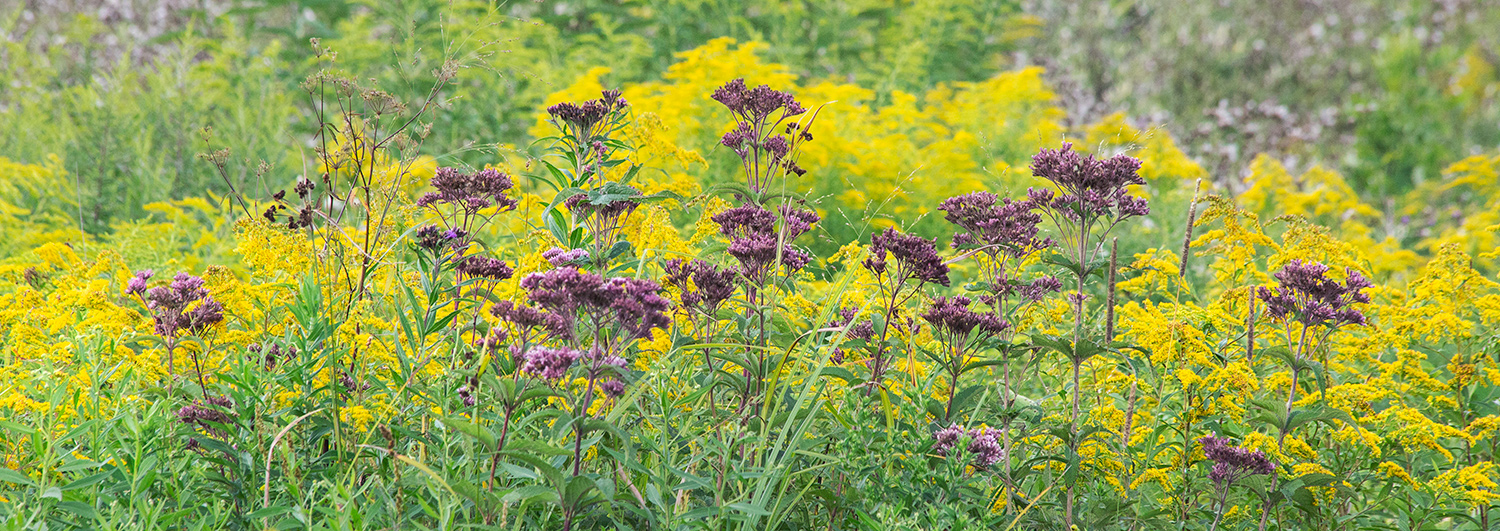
point(10, 476)
point(749, 509)
point(528, 493)
point(471, 429)
point(276, 510)
point(82, 510)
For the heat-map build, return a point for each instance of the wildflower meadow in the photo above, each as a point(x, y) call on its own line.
point(661, 265)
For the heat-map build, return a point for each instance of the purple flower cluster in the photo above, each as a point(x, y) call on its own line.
point(586, 115)
point(469, 191)
point(1091, 187)
point(137, 284)
point(991, 221)
point(562, 257)
point(756, 243)
point(633, 304)
point(951, 318)
point(1037, 289)
point(1308, 295)
point(207, 413)
point(916, 257)
point(617, 204)
point(712, 285)
point(856, 331)
point(612, 388)
point(757, 104)
point(550, 363)
point(270, 355)
point(947, 438)
point(484, 267)
point(1232, 463)
point(984, 444)
point(527, 318)
point(183, 305)
point(433, 238)
point(755, 130)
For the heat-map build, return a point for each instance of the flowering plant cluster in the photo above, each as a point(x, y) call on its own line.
point(605, 333)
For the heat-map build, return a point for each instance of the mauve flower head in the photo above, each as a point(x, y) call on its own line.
point(599, 362)
point(757, 255)
point(745, 220)
point(1232, 463)
point(633, 304)
point(778, 147)
point(563, 257)
point(988, 220)
point(946, 438)
point(916, 257)
point(952, 318)
point(1097, 186)
point(638, 305)
point(1306, 293)
point(469, 191)
point(525, 317)
point(183, 305)
point(712, 284)
point(984, 445)
point(797, 221)
point(550, 363)
point(758, 103)
point(208, 413)
point(1038, 289)
point(584, 116)
point(612, 388)
point(754, 237)
point(484, 267)
point(582, 205)
point(433, 238)
point(741, 139)
point(137, 284)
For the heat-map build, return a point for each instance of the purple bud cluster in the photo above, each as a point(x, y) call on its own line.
point(755, 104)
point(584, 116)
point(433, 238)
point(137, 285)
point(484, 267)
point(756, 243)
point(635, 305)
point(184, 305)
point(704, 286)
point(582, 205)
point(550, 363)
point(612, 388)
point(916, 257)
point(758, 113)
point(984, 444)
point(1038, 289)
point(208, 413)
point(990, 221)
point(1232, 463)
point(527, 318)
point(856, 331)
point(1090, 187)
point(1308, 295)
point(271, 354)
point(952, 319)
point(469, 191)
point(563, 257)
